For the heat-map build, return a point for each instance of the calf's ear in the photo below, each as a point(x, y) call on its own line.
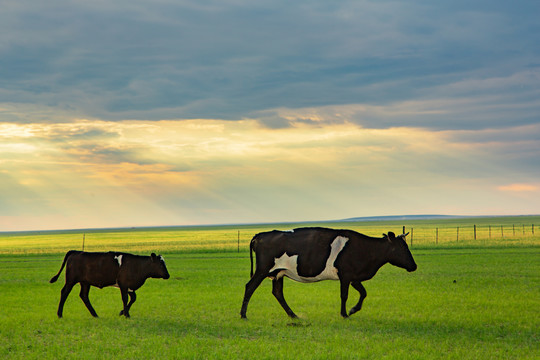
point(153, 256)
point(391, 235)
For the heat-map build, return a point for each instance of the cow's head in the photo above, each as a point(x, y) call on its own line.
point(159, 270)
point(399, 252)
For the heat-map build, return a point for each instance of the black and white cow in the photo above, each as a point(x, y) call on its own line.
point(315, 254)
point(125, 271)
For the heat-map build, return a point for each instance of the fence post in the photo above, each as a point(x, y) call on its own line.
point(238, 240)
point(83, 237)
point(437, 235)
point(475, 232)
point(502, 231)
point(533, 229)
point(514, 229)
point(457, 235)
point(412, 235)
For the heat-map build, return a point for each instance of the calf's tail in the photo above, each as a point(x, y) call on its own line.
point(68, 254)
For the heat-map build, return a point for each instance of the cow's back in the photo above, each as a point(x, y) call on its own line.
point(295, 241)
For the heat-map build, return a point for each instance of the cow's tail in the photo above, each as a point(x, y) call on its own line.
point(251, 245)
point(68, 254)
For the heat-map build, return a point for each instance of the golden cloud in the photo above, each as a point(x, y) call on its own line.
point(519, 188)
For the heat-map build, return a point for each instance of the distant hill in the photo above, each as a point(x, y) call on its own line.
point(403, 218)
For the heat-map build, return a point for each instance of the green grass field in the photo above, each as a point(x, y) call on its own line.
point(473, 301)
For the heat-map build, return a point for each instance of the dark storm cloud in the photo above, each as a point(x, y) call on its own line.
point(236, 59)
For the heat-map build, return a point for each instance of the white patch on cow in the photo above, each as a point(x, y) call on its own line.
point(119, 259)
point(290, 231)
point(289, 264)
point(161, 258)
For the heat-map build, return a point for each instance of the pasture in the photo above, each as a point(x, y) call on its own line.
point(464, 301)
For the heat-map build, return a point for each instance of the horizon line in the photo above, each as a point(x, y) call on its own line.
point(351, 219)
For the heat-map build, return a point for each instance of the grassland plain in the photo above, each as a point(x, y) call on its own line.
point(492, 231)
point(464, 301)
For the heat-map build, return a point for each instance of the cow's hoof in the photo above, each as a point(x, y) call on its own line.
point(353, 311)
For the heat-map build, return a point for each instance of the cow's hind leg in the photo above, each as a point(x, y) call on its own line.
point(132, 298)
point(277, 290)
point(85, 289)
point(63, 296)
point(358, 286)
point(251, 286)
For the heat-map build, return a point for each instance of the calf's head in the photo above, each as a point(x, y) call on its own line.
point(158, 268)
point(399, 253)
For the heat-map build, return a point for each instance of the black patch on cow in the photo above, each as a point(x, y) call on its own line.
point(315, 252)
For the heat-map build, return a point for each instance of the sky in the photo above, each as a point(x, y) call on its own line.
point(170, 112)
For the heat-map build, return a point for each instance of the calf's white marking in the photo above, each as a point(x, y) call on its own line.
point(118, 286)
point(289, 264)
point(119, 259)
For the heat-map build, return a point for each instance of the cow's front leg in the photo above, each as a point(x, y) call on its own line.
point(363, 293)
point(132, 298)
point(344, 284)
point(124, 292)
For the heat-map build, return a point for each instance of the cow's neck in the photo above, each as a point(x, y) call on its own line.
point(384, 249)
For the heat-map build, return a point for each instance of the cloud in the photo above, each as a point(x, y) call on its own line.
point(519, 188)
point(126, 173)
point(475, 64)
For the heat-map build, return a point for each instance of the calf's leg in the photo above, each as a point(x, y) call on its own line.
point(124, 292)
point(132, 298)
point(85, 289)
point(363, 293)
point(63, 296)
point(277, 290)
point(251, 286)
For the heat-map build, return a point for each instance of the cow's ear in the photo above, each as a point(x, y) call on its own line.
point(391, 235)
point(153, 256)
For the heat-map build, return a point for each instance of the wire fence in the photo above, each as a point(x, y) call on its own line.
point(525, 234)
